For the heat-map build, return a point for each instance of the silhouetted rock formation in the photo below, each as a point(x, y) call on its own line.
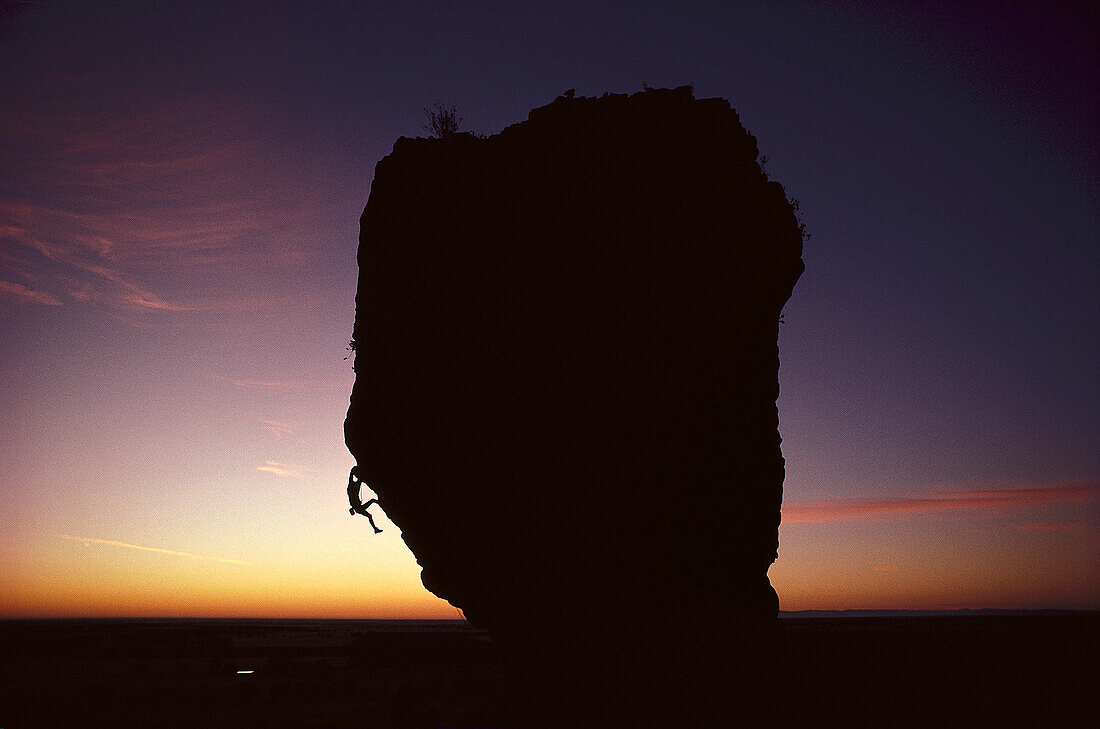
point(567, 365)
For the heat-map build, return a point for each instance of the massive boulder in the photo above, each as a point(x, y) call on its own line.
point(567, 365)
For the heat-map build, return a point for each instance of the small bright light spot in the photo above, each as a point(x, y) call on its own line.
point(240, 672)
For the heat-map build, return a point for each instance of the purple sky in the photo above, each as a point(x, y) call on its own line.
point(178, 220)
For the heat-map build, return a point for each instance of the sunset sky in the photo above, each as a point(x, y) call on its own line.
point(180, 188)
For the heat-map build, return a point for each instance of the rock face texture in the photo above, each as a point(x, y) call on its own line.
point(567, 365)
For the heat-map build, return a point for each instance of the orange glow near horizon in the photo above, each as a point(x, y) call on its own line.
point(991, 551)
point(87, 577)
point(942, 550)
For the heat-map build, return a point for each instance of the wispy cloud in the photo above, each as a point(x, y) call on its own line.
point(133, 295)
point(113, 543)
point(1042, 526)
point(990, 499)
point(76, 257)
point(280, 469)
point(248, 383)
point(106, 199)
point(276, 428)
point(19, 291)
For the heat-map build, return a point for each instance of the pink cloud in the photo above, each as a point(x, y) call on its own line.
point(280, 469)
point(93, 268)
point(247, 383)
point(85, 257)
point(276, 428)
point(112, 198)
point(21, 292)
point(1040, 526)
point(997, 499)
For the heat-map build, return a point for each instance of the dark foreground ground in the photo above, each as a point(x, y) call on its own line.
point(1029, 670)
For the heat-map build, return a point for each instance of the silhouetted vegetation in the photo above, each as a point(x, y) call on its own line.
point(443, 120)
point(762, 162)
point(796, 207)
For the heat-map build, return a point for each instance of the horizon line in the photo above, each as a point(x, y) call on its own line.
point(843, 612)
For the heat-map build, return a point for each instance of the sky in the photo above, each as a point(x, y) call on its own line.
point(179, 210)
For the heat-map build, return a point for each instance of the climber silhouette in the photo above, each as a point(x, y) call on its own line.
point(357, 506)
